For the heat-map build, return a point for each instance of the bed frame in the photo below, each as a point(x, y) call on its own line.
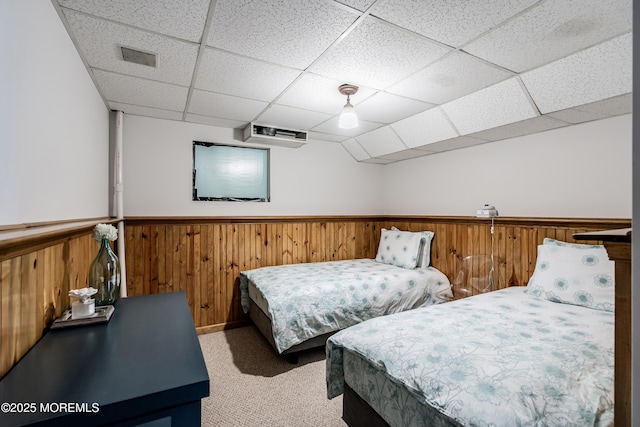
point(263, 323)
point(358, 413)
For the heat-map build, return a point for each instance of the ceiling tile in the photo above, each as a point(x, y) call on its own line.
point(381, 141)
point(213, 121)
point(331, 127)
point(360, 5)
point(450, 22)
point(241, 76)
point(284, 32)
point(451, 77)
point(291, 118)
point(387, 108)
point(574, 116)
point(552, 30)
point(378, 161)
point(404, 155)
point(225, 106)
point(424, 128)
point(137, 110)
point(183, 19)
point(355, 149)
point(524, 127)
point(593, 74)
point(615, 106)
point(317, 93)
point(137, 91)
point(325, 137)
point(498, 105)
point(100, 43)
point(452, 144)
point(377, 55)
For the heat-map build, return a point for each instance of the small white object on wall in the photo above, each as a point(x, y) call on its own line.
point(487, 211)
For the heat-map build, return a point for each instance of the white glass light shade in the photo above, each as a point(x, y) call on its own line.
point(348, 117)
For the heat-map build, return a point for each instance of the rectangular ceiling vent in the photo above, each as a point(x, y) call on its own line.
point(138, 57)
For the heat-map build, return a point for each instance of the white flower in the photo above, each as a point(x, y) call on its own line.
point(105, 231)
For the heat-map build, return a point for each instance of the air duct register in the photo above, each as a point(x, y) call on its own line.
point(271, 135)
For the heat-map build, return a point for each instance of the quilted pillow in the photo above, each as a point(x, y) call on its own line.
point(574, 275)
point(399, 248)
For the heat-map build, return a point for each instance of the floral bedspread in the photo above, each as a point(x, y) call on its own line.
point(311, 299)
point(505, 358)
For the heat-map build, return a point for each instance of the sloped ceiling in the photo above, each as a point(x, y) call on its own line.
point(434, 75)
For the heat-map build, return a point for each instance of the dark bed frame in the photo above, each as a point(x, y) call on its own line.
point(263, 323)
point(355, 411)
point(358, 413)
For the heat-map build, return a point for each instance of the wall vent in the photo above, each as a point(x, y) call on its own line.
point(138, 57)
point(271, 135)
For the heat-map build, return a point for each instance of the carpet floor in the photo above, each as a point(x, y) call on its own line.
point(250, 385)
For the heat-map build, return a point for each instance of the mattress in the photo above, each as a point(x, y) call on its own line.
point(503, 358)
point(256, 296)
point(308, 300)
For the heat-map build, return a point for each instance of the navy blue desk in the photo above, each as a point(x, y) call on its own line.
point(143, 367)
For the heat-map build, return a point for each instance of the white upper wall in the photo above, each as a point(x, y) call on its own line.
point(54, 155)
point(319, 178)
point(54, 132)
point(581, 171)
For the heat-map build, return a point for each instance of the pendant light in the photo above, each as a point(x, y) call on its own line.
point(348, 117)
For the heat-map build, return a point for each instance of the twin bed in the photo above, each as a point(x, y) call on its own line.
point(536, 355)
point(299, 306)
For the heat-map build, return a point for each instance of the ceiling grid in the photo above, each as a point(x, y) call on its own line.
point(433, 75)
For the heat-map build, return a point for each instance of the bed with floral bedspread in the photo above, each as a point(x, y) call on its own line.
point(541, 355)
point(303, 301)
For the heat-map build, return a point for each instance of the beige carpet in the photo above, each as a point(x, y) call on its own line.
point(252, 386)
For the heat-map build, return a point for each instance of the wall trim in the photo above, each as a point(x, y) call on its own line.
point(19, 241)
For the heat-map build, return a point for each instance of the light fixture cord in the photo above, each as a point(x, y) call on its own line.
point(491, 281)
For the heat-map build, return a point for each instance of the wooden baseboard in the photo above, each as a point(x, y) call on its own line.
point(221, 327)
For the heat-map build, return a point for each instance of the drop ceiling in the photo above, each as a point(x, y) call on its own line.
point(434, 75)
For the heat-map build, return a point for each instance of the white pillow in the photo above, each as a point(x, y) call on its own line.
point(399, 248)
point(424, 255)
point(570, 275)
point(554, 242)
point(550, 241)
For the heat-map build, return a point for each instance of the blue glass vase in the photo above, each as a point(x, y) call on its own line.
point(104, 275)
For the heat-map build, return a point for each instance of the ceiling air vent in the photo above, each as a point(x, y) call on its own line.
point(138, 57)
point(265, 134)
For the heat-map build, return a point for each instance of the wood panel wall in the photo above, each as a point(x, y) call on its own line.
point(204, 257)
point(35, 279)
point(514, 244)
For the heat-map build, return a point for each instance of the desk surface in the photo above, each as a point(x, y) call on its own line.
point(147, 357)
point(617, 235)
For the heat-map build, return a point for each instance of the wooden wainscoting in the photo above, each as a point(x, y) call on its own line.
point(204, 256)
point(36, 274)
point(515, 242)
